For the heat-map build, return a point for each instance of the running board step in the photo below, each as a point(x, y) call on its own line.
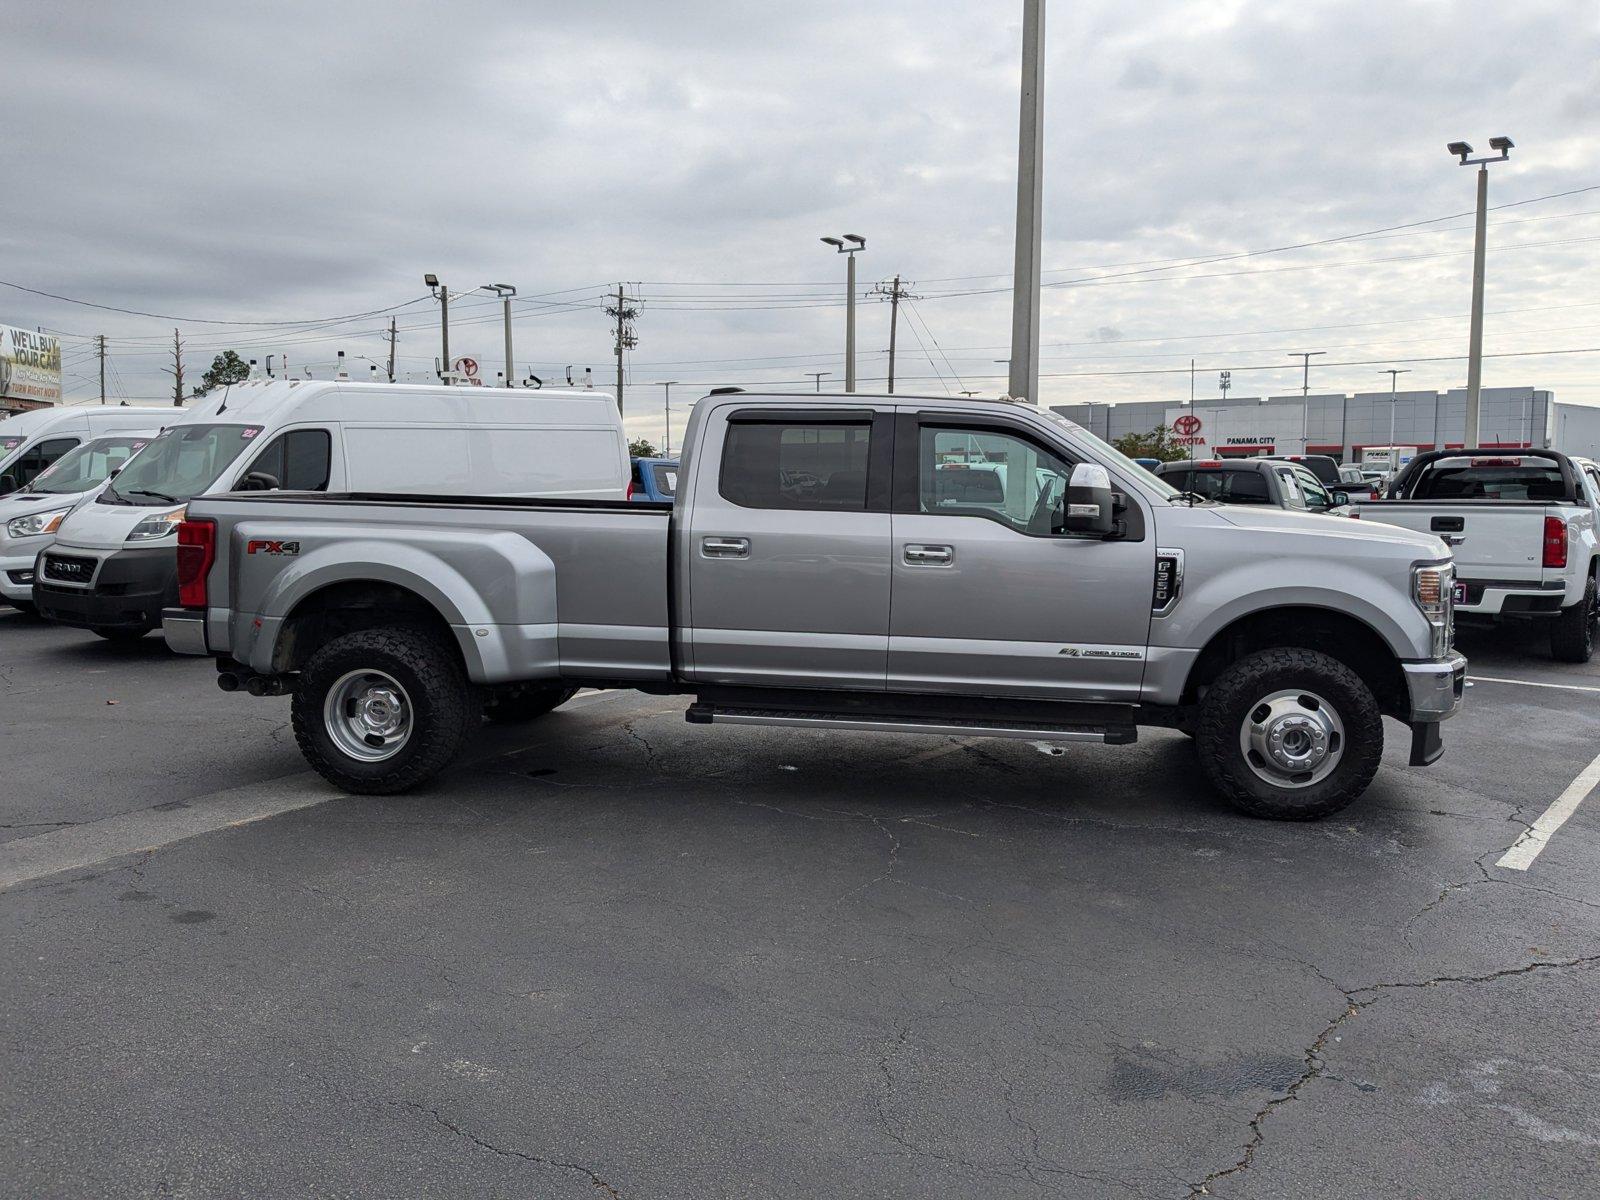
point(722, 714)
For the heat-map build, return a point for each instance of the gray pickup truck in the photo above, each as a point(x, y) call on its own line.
point(885, 563)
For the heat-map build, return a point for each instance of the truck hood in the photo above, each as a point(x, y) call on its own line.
point(107, 526)
point(1352, 534)
point(20, 504)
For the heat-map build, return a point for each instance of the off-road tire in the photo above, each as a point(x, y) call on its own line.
point(120, 637)
point(1572, 632)
point(1242, 685)
point(444, 708)
point(526, 705)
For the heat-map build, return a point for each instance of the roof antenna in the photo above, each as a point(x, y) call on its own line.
point(569, 378)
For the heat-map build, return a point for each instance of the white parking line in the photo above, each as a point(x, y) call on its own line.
point(1561, 687)
point(1527, 847)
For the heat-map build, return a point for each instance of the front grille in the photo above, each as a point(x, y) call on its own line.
point(67, 569)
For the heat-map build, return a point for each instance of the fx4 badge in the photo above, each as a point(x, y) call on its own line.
point(265, 547)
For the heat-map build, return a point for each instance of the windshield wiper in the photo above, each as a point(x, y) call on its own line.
point(1190, 497)
point(157, 495)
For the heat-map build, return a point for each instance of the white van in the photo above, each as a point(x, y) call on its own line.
point(31, 441)
point(113, 566)
point(30, 516)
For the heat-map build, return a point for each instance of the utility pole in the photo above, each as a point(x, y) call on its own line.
point(666, 411)
point(505, 291)
point(394, 336)
point(1024, 374)
point(176, 370)
point(443, 293)
point(818, 376)
point(624, 311)
point(896, 293)
point(100, 341)
point(1463, 151)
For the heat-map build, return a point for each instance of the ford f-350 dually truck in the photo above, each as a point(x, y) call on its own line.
point(854, 562)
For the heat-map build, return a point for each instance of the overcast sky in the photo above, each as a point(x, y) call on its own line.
point(290, 163)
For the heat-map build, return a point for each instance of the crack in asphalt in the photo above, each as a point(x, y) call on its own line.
point(1316, 1062)
point(649, 750)
point(508, 1152)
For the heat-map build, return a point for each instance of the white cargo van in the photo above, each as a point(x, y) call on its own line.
point(113, 565)
point(31, 441)
point(30, 516)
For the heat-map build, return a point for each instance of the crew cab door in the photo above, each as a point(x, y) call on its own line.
point(989, 596)
point(787, 555)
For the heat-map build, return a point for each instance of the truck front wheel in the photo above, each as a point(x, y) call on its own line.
point(1572, 633)
point(379, 711)
point(1289, 734)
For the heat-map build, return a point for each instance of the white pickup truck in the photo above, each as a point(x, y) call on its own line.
point(1523, 529)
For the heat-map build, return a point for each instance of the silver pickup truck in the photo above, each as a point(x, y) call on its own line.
point(1522, 525)
point(886, 563)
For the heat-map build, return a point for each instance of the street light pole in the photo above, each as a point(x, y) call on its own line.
point(856, 242)
point(1024, 372)
point(817, 375)
point(1463, 151)
point(442, 293)
point(1394, 374)
point(505, 291)
point(1305, 357)
point(666, 410)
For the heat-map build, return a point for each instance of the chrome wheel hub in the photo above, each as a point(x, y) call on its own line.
point(1292, 738)
point(368, 715)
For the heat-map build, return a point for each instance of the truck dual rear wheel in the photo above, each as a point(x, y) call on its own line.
point(1572, 632)
point(1289, 734)
point(379, 711)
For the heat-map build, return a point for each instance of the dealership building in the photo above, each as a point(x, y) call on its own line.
point(1336, 424)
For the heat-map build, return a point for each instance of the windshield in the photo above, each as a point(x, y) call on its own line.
point(84, 467)
point(1117, 457)
point(180, 464)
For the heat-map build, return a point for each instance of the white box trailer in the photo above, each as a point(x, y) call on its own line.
point(1389, 459)
point(1575, 430)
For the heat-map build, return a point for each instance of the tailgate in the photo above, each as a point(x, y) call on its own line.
point(1489, 541)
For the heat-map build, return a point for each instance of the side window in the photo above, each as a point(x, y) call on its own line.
point(997, 476)
point(27, 468)
point(1247, 487)
point(805, 465)
point(1316, 495)
point(1594, 483)
point(298, 460)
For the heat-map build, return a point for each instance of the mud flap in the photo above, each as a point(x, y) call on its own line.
point(1427, 743)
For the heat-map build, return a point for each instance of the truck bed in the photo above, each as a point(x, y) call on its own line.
point(536, 587)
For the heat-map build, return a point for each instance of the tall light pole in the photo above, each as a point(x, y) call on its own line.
point(1305, 357)
point(848, 245)
point(442, 294)
point(1463, 151)
point(1394, 374)
point(818, 376)
point(666, 410)
point(505, 291)
point(1024, 372)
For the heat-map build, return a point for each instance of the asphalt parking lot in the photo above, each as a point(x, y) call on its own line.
point(617, 955)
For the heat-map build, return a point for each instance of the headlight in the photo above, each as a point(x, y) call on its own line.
point(34, 524)
point(157, 525)
point(1431, 587)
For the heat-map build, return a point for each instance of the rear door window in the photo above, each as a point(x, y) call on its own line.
point(805, 465)
point(34, 461)
point(666, 478)
point(1231, 486)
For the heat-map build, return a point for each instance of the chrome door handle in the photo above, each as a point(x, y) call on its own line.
point(725, 547)
point(929, 556)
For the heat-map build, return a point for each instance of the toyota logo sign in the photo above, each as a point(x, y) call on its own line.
point(1188, 425)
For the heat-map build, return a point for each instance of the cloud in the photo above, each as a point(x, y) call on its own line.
point(285, 161)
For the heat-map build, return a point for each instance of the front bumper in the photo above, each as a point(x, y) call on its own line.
point(1434, 689)
point(185, 630)
point(16, 575)
point(107, 589)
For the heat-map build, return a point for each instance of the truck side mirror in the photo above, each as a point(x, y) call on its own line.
point(1089, 501)
point(8, 484)
point(1338, 499)
point(258, 481)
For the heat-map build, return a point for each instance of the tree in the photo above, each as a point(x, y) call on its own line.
point(1158, 443)
point(176, 370)
point(225, 368)
point(640, 448)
